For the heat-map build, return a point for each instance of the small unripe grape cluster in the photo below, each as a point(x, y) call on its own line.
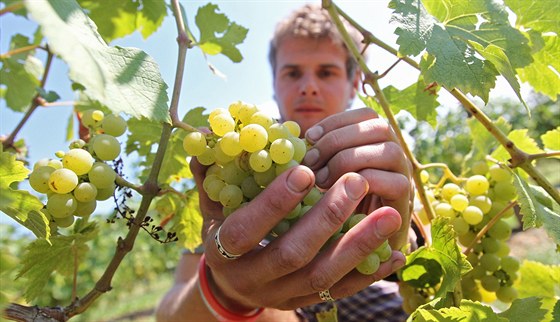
point(245, 151)
point(470, 207)
point(79, 177)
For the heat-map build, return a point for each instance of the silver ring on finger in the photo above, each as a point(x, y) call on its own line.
point(326, 296)
point(225, 254)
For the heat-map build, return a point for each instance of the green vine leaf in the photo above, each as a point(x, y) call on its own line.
point(116, 19)
point(189, 223)
point(538, 208)
point(218, 34)
point(551, 140)
point(482, 141)
point(445, 251)
point(20, 74)
point(445, 31)
point(20, 205)
point(538, 279)
point(42, 258)
point(467, 311)
point(416, 99)
point(527, 309)
point(540, 18)
point(124, 79)
point(499, 59)
point(522, 140)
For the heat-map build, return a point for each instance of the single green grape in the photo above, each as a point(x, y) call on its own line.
point(63, 181)
point(113, 125)
point(194, 143)
point(261, 118)
point(222, 123)
point(61, 205)
point(39, 178)
point(293, 128)
point(281, 151)
point(369, 265)
point(106, 147)
point(506, 294)
point(260, 161)
point(449, 190)
point(472, 215)
point(477, 185)
point(231, 196)
point(101, 175)
point(78, 160)
point(85, 192)
point(253, 137)
point(230, 144)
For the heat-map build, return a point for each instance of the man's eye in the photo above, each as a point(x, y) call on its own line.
point(325, 73)
point(293, 74)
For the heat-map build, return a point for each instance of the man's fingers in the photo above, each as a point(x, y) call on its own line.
point(299, 245)
point(350, 284)
point(343, 255)
point(337, 121)
point(244, 229)
point(364, 133)
point(386, 156)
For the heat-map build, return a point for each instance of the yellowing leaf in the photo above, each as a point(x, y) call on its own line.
point(522, 141)
point(551, 140)
point(20, 205)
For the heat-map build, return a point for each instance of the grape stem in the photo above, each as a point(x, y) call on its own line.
point(536, 156)
point(11, 8)
point(20, 50)
point(489, 225)
point(36, 101)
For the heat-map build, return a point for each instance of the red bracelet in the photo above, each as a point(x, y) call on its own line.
point(218, 310)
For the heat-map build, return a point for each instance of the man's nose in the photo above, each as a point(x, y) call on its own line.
point(308, 86)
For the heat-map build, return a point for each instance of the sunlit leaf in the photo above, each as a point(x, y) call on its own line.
point(20, 205)
point(218, 34)
point(124, 79)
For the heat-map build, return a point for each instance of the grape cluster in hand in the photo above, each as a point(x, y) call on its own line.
point(244, 152)
point(79, 177)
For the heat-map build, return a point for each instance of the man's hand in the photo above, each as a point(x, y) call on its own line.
point(358, 141)
point(290, 271)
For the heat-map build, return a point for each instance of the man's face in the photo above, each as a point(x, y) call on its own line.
point(310, 80)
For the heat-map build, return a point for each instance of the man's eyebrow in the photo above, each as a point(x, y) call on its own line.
point(295, 66)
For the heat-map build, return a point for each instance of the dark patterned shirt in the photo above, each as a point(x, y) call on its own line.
point(380, 302)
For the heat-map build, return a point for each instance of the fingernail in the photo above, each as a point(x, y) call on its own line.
point(398, 263)
point(322, 175)
point(355, 186)
point(311, 157)
point(299, 180)
point(314, 134)
point(386, 226)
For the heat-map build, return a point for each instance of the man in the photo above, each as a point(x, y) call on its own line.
point(354, 157)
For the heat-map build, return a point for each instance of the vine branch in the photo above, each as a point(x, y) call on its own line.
point(36, 102)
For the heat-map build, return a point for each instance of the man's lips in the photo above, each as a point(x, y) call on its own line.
point(308, 109)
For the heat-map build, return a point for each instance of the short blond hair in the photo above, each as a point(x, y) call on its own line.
point(314, 22)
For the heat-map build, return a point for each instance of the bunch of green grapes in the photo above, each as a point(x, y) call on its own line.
point(471, 206)
point(414, 297)
point(245, 151)
point(78, 178)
